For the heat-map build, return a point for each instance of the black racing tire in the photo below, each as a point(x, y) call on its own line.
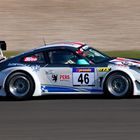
point(119, 85)
point(19, 86)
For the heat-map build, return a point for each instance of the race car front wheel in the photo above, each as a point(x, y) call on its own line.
point(118, 84)
point(19, 86)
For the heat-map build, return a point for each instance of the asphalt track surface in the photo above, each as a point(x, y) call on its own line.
point(70, 118)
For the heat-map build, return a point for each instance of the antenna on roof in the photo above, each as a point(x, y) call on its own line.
point(44, 41)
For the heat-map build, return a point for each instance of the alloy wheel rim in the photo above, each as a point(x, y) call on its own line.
point(118, 85)
point(19, 86)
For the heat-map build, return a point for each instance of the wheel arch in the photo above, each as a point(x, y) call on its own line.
point(129, 75)
point(16, 71)
point(37, 85)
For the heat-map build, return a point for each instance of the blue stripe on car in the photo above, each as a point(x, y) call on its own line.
point(46, 88)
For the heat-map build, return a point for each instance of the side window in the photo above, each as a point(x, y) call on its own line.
point(62, 57)
point(37, 58)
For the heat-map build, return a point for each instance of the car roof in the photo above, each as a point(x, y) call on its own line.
point(62, 44)
point(68, 45)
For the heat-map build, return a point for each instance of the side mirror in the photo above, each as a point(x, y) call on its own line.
point(82, 62)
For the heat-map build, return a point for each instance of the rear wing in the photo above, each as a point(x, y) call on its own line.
point(2, 48)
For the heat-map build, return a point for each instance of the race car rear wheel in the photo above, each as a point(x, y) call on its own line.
point(118, 84)
point(19, 86)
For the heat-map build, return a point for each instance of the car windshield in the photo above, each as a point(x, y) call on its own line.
point(93, 55)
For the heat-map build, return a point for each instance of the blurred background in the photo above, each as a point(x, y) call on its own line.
point(105, 24)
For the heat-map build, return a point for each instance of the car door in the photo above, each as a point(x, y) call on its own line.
point(64, 74)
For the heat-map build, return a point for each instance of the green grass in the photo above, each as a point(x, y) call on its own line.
point(126, 54)
point(11, 53)
point(129, 54)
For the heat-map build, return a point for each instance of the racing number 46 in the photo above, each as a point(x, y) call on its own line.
point(83, 78)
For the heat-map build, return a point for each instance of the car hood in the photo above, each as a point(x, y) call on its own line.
point(125, 62)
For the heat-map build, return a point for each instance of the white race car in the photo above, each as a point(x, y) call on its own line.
point(67, 68)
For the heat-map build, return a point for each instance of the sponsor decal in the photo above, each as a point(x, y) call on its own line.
point(15, 64)
point(104, 69)
point(34, 67)
point(54, 77)
point(64, 77)
point(30, 59)
point(83, 69)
